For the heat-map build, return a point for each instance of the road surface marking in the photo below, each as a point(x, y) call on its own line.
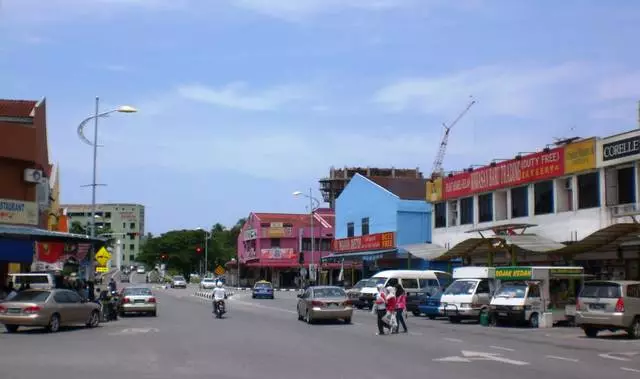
point(474, 356)
point(562, 358)
point(452, 359)
point(501, 348)
point(132, 331)
point(616, 356)
point(629, 369)
point(452, 339)
point(415, 334)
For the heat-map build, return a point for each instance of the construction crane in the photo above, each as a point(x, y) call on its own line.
point(437, 163)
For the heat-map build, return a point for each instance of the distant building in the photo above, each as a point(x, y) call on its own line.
point(126, 222)
point(338, 179)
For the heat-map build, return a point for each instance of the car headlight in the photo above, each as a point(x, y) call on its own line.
point(517, 308)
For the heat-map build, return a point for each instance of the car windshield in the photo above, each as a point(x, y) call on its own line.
point(137, 292)
point(365, 283)
point(263, 285)
point(461, 287)
point(208, 280)
point(178, 278)
point(511, 291)
point(31, 296)
point(328, 292)
point(601, 290)
point(31, 279)
point(379, 281)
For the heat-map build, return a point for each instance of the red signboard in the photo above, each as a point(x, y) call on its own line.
point(530, 168)
point(279, 255)
point(379, 241)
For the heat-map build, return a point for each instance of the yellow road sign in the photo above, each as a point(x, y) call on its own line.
point(219, 270)
point(102, 269)
point(102, 257)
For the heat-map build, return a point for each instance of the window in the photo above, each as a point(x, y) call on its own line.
point(588, 190)
point(534, 291)
point(485, 207)
point(132, 246)
point(107, 214)
point(483, 287)
point(124, 225)
point(543, 195)
point(365, 226)
point(275, 242)
point(440, 210)
point(410, 284)
point(633, 290)
point(132, 225)
point(520, 202)
point(626, 186)
point(466, 211)
point(74, 297)
point(350, 229)
point(132, 257)
point(325, 245)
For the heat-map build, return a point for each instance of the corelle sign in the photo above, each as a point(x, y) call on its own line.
point(530, 168)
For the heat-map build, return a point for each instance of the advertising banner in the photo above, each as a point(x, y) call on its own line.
point(18, 212)
point(279, 255)
point(513, 273)
point(379, 241)
point(434, 190)
point(527, 169)
point(580, 156)
point(620, 149)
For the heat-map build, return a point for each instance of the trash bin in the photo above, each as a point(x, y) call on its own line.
point(484, 318)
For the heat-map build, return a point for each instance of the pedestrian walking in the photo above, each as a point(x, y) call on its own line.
point(401, 308)
point(390, 311)
point(380, 309)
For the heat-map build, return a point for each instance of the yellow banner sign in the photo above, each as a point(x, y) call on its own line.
point(580, 156)
point(102, 257)
point(434, 190)
point(102, 269)
point(219, 270)
point(18, 212)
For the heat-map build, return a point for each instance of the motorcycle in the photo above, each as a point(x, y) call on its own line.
point(219, 308)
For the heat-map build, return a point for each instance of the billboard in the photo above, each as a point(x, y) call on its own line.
point(580, 156)
point(378, 241)
point(434, 190)
point(279, 255)
point(18, 212)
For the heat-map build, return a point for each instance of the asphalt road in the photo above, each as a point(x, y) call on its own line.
point(263, 339)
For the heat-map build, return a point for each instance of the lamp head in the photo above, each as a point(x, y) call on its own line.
point(127, 109)
point(297, 193)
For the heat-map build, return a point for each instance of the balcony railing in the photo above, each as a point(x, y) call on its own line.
point(624, 210)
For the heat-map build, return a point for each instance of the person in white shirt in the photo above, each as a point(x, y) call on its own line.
point(219, 294)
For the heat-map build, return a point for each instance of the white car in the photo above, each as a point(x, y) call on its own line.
point(140, 270)
point(207, 284)
point(178, 282)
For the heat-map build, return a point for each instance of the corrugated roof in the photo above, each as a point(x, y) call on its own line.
point(295, 218)
point(17, 108)
point(404, 188)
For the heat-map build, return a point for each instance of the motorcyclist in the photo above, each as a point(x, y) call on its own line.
point(112, 285)
point(219, 294)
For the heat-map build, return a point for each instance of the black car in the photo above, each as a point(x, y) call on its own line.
point(124, 278)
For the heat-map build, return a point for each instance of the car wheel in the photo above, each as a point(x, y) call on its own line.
point(432, 317)
point(347, 320)
point(416, 313)
point(54, 323)
point(300, 318)
point(272, 297)
point(634, 330)
point(11, 328)
point(591, 332)
point(534, 321)
point(154, 314)
point(94, 319)
point(308, 318)
point(454, 320)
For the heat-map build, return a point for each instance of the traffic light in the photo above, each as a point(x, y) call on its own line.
point(164, 256)
point(198, 250)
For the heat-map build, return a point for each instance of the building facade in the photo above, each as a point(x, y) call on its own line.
point(381, 223)
point(24, 174)
point(125, 221)
point(276, 246)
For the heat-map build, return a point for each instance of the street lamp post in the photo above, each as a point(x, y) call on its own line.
point(206, 249)
point(97, 115)
point(312, 208)
point(237, 261)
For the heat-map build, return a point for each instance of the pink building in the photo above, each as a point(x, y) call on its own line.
point(270, 247)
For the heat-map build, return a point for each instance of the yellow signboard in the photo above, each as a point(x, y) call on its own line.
point(102, 269)
point(580, 156)
point(219, 270)
point(434, 190)
point(102, 257)
point(18, 212)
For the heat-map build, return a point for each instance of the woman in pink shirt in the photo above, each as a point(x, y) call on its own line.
point(401, 307)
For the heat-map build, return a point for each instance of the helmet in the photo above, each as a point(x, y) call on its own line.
point(218, 284)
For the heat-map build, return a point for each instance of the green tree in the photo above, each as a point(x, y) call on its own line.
point(77, 228)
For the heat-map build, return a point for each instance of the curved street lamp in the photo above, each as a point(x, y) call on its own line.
point(314, 204)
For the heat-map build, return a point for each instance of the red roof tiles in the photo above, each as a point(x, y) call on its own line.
point(17, 108)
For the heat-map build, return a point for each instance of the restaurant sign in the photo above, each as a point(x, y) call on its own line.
point(378, 241)
point(529, 168)
point(18, 212)
point(513, 273)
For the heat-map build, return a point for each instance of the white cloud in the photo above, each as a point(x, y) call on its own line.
point(238, 96)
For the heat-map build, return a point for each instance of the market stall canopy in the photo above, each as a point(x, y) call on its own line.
point(603, 239)
point(42, 235)
point(360, 255)
point(426, 251)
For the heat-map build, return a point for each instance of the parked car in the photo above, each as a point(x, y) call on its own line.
point(137, 300)
point(48, 308)
point(355, 293)
point(430, 306)
point(324, 303)
point(178, 282)
point(609, 305)
point(262, 289)
point(207, 284)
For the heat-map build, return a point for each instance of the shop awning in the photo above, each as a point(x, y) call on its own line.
point(530, 243)
point(426, 251)
point(42, 235)
point(360, 256)
point(603, 239)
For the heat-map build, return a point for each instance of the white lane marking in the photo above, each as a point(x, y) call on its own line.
point(501, 348)
point(476, 355)
point(452, 359)
point(264, 306)
point(415, 334)
point(562, 358)
point(452, 339)
point(615, 357)
point(629, 369)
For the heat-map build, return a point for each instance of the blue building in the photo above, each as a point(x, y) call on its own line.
point(385, 223)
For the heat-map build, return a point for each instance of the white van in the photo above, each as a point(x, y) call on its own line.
point(470, 293)
point(417, 283)
point(41, 280)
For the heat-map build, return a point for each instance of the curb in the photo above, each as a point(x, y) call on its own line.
point(275, 289)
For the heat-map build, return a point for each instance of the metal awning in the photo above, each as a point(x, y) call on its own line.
point(603, 239)
point(530, 243)
point(426, 251)
point(360, 256)
point(42, 235)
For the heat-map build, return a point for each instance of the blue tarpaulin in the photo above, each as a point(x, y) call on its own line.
point(18, 251)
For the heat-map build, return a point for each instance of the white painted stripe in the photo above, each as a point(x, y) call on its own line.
point(610, 356)
point(415, 334)
point(629, 369)
point(452, 339)
point(562, 358)
point(501, 348)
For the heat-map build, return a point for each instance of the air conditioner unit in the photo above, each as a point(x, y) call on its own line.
point(568, 184)
point(33, 176)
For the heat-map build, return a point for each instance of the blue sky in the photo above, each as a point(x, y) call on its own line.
point(243, 102)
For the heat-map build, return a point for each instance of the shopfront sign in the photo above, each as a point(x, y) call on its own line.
point(128, 216)
point(278, 255)
point(566, 271)
point(434, 190)
point(378, 241)
point(515, 172)
point(513, 273)
point(628, 148)
point(277, 232)
point(18, 212)
point(580, 156)
point(250, 234)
